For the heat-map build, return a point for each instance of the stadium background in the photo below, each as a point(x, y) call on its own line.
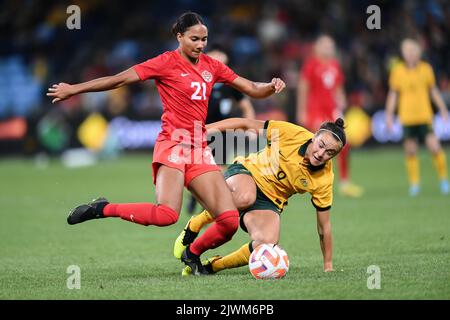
point(264, 38)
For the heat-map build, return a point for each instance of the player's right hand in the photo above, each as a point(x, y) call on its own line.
point(60, 91)
point(278, 85)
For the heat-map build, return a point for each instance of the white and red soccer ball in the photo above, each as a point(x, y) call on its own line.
point(268, 261)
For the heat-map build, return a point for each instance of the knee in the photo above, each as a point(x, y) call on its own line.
point(410, 147)
point(171, 219)
point(434, 147)
point(260, 238)
point(244, 200)
point(165, 216)
point(410, 151)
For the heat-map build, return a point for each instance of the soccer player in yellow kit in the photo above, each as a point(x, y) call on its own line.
point(294, 161)
point(412, 82)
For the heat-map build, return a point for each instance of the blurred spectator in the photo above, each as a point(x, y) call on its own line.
point(321, 97)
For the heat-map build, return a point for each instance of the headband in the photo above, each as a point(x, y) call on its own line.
point(333, 134)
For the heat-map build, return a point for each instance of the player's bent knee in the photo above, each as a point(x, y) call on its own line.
point(170, 219)
point(261, 237)
point(245, 200)
point(165, 216)
point(268, 240)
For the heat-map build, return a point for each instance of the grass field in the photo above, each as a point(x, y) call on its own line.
point(408, 238)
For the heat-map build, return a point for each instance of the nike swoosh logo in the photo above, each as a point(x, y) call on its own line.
point(184, 74)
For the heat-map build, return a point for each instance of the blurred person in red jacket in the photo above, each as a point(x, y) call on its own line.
point(321, 97)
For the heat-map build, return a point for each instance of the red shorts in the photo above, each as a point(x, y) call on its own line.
point(192, 161)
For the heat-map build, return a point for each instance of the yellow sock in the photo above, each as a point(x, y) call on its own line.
point(440, 163)
point(412, 167)
point(199, 221)
point(235, 259)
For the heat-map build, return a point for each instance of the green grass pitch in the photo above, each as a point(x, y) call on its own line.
point(408, 238)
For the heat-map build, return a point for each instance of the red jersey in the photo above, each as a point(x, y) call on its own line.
point(184, 89)
point(323, 78)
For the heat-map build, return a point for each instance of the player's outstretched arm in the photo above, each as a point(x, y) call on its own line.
point(326, 243)
point(235, 123)
point(64, 91)
point(258, 90)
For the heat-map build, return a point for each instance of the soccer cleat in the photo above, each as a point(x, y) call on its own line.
point(348, 189)
point(92, 210)
point(445, 188)
point(207, 265)
point(186, 272)
point(193, 264)
point(414, 190)
point(185, 238)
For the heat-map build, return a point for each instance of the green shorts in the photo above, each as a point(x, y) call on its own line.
point(417, 132)
point(261, 202)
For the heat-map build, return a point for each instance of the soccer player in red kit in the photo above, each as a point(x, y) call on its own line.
point(184, 78)
point(321, 98)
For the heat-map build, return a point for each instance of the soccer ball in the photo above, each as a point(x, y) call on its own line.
point(268, 261)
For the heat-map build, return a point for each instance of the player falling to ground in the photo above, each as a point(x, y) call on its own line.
point(184, 78)
point(221, 101)
point(321, 97)
point(294, 161)
point(411, 82)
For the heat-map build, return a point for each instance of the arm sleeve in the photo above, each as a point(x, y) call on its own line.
point(322, 198)
point(393, 80)
point(280, 131)
point(430, 76)
point(224, 73)
point(152, 68)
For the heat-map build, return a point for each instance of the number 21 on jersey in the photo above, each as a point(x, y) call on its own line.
point(198, 87)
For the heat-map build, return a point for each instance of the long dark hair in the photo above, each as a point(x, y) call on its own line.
point(185, 21)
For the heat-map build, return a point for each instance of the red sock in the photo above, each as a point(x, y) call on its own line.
point(343, 162)
point(221, 231)
point(142, 213)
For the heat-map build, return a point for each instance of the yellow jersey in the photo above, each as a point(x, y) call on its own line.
point(413, 87)
point(279, 171)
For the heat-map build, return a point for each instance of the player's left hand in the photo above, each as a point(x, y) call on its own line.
point(278, 85)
